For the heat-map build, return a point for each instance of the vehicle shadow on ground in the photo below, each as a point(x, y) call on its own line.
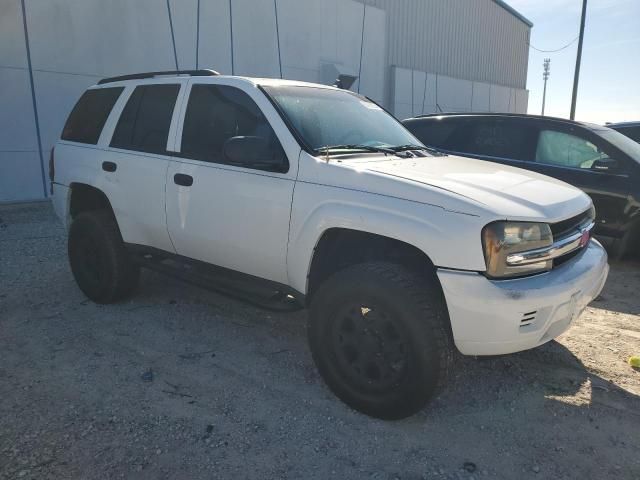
point(542, 405)
point(620, 293)
point(550, 373)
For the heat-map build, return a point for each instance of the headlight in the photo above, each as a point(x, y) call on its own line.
point(504, 239)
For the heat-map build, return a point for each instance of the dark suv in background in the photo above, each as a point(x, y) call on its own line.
point(630, 129)
point(599, 160)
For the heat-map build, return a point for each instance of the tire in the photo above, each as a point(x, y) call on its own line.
point(381, 339)
point(623, 246)
point(98, 258)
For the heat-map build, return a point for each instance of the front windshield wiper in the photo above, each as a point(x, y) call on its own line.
point(410, 146)
point(365, 148)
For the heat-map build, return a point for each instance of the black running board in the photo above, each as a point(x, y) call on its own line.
point(247, 288)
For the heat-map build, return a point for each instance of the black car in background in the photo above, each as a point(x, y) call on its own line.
point(599, 160)
point(630, 129)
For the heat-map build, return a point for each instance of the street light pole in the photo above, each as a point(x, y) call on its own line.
point(576, 75)
point(545, 76)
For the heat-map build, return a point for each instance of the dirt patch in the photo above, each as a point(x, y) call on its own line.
point(180, 382)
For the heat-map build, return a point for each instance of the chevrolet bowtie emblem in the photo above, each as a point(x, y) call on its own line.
point(584, 239)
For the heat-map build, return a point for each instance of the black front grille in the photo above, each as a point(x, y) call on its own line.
point(571, 225)
point(565, 258)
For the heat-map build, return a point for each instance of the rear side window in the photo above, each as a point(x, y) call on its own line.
point(495, 138)
point(144, 123)
point(89, 115)
point(216, 113)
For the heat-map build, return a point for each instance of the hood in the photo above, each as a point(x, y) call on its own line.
point(469, 186)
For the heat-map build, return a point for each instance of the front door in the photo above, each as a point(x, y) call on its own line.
point(227, 214)
point(569, 153)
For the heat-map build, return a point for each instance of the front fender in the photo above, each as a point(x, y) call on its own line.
point(449, 239)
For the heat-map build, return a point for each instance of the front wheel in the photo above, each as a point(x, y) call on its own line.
point(380, 338)
point(627, 244)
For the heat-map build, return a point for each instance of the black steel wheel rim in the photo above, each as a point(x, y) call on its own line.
point(370, 349)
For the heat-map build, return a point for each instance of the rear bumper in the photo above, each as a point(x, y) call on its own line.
point(496, 317)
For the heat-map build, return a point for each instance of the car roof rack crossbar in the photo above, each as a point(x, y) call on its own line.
point(138, 76)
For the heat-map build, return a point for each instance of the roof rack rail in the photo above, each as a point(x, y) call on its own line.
point(138, 76)
point(495, 114)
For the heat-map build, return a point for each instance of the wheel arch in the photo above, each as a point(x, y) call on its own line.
point(440, 237)
point(84, 197)
point(338, 248)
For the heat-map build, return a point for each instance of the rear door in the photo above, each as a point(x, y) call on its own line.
point(135, 160)
point(498, 139)
point(568, 152)
point(231, 215)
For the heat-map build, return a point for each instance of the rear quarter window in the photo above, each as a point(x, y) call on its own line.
point(89, 115)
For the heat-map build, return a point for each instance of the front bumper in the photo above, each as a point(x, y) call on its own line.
point(492, 317)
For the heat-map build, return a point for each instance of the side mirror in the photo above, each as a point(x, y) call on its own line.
point(604, 165)
point(253, 152)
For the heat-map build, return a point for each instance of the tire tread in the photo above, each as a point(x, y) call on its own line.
point(426, 296)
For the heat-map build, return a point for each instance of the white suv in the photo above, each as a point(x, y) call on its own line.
point(292, 194)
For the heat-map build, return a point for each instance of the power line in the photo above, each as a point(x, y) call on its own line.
point(557, 49)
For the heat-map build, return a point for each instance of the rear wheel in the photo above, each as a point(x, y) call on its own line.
point(380, 338)
point(99, 261)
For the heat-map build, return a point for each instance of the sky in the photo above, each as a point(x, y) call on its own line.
point(609, 88)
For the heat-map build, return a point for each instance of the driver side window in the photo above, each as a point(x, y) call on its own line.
point(217, 113)
point(565, 150)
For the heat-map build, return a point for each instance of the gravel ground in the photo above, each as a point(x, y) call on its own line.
point(180, 382)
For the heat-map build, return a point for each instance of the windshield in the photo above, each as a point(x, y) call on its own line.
point(325, 118)
point(621, 141)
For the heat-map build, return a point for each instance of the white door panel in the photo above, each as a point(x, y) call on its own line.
point(136, 189)
point(137, 194)
point(231, 217)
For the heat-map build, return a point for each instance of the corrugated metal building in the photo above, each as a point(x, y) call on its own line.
point(475, 40)
point(414, 56)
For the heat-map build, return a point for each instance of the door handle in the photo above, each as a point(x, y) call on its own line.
point(109, 166)
point(182, 179)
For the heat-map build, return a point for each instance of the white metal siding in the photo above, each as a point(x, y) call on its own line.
point(471, 39)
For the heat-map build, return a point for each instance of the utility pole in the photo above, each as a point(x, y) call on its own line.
point(576, 75)
point(545, 76)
